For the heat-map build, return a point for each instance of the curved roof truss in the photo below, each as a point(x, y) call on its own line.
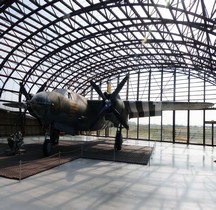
point(67, 43)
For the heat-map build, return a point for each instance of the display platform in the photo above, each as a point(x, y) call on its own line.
point(23, 165)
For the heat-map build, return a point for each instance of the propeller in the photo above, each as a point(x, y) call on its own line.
point(24, 92)
point(41, 89)
point(28, 97)
point(110, 102)
point(98, 90)
point(27, 104)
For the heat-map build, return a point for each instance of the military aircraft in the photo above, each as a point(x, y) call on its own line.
point(64, 110)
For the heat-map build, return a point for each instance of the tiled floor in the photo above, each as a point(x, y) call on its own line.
point(178, 177)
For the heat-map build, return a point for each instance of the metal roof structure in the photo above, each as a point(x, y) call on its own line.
point(67, 43)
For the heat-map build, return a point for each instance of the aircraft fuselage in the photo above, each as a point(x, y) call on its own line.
point(67, 111)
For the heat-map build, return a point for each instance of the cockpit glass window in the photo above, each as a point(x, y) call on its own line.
point(69, 95)
point(61, 91)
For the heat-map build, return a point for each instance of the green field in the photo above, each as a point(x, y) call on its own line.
point(165, 133)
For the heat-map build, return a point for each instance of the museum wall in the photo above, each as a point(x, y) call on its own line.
point(12, 122)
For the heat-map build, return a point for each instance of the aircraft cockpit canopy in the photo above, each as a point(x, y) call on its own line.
point(64, 92)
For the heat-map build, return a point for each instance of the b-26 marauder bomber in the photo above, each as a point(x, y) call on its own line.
point(66, 111)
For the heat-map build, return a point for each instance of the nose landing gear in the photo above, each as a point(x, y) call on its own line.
point(50, 141)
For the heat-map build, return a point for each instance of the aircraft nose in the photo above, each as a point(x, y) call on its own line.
point(40, 104)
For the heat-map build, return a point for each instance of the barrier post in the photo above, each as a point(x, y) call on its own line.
point(20, 171)
point(150, 159)
point(82, 150)
point(59, 157)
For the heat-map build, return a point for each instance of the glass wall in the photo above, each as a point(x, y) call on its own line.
point(180, 126)
point(167, 126)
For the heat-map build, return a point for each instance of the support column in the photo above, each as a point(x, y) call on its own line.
point(174, 97)
point(204, 111)
point(188, 112)
point(149, 98)
point(138, 86)
point(161, 99)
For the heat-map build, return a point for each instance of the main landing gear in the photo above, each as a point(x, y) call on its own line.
point(50, 141)
point(118, 139)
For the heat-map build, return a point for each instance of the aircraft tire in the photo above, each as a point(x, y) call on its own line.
point(54, 136)
point(47, 147)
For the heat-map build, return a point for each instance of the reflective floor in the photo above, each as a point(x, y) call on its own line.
point(177, 177)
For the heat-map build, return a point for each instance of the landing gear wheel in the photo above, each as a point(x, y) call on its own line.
point(47, 147)
point(54, 136)
point(118, 140)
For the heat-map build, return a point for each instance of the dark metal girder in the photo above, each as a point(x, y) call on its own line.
point(92, 35)
point(135, 43)
point(202, 47)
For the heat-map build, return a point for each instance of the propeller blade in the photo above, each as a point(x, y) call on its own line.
point(42, 87)
point(120, 119)
point(28, 101)
point(119, 87)
point(14, 104)
point(98, 90)
point(100, 115)
point(24, 92)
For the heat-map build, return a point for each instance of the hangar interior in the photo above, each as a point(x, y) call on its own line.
point(166, 46)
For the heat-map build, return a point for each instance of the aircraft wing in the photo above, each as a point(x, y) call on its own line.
point(150, 108)
point(171, 105)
